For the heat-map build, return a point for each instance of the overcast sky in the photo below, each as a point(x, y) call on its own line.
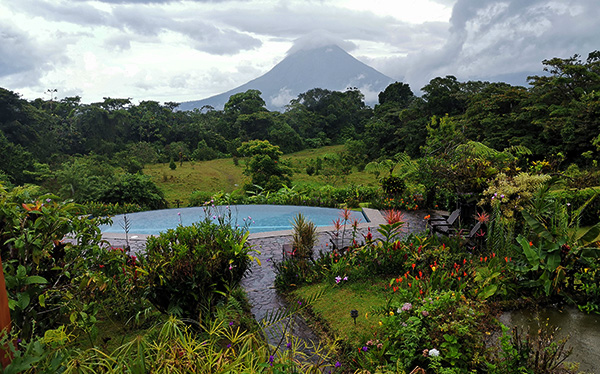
point(168, 50)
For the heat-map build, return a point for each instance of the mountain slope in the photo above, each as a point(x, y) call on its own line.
point(327, 67)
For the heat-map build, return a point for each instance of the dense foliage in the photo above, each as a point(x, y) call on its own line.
point(528, 156)
point(190, 268)
point(79, 150)
point(443, 294)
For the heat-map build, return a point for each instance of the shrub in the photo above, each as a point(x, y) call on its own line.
point(304, 238)
point(191, 268)
point(577, 198)
point(444, 321)
point(199, 198)
point(96, 209)
point(42, 271)
point(264, 165)
point(511, 194)
point(393, 185)
point(135, 189)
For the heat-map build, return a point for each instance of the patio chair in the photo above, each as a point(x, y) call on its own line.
point(444, 225)
point(473, 238)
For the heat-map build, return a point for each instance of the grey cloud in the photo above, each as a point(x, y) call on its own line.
point(141, 20)
point(81, 14)
point(224, 42)
point(156, 1)
point(204, 36)
point(320, 38)
point(295, 20)
point(493, 38)
point(445, 2)
point(118, 42)
point(22, 61)
point(17, 53)
point(144, 21)
point(215, 40)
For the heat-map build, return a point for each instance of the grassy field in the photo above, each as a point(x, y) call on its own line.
point(224, 175)
point(337, 302)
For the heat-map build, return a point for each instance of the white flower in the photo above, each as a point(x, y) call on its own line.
point(434, 352)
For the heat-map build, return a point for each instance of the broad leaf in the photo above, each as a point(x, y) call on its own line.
point(537, 227)
point(591, 235)
point(35, 279)
point(530, 252)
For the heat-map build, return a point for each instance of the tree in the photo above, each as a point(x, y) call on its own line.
point(135, 189)
point(567, 105)
point(496, 116)
point(248, 102)
point(449, 96)
point(441, 95)
point(84, 179)
point(336, 115)
point(264, 165)
point(16, 161)
point(399, 94)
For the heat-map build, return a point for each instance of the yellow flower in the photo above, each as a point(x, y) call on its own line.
point(586, 270)
point(380, 323)
point(391, 313)
point(433, 268)
point(367, 315)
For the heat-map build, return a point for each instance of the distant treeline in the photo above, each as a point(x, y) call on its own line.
point(558, 116)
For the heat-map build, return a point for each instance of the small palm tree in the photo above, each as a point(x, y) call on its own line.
point(304, 238)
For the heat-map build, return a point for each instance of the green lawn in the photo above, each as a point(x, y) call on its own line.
point(224, 175)
point(335, 305)
point(212, 176)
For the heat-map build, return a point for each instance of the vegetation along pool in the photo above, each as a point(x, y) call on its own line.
point(263, 218)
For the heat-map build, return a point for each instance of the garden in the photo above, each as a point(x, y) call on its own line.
point(405, 303)
point(519, 164)
point(384, 300)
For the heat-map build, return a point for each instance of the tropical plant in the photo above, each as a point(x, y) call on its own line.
point(264, 165)
point(304, 237)
point(553, 248)
point(191, 268)
point(41, 268)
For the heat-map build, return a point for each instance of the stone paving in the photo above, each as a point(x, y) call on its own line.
point(259, 284)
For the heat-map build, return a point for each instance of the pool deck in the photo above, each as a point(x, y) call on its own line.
point(373, 216)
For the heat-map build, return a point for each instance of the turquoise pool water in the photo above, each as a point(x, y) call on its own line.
point(262, 218)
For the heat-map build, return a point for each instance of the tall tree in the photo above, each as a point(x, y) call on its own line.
point(264, 165)
point(566, 104)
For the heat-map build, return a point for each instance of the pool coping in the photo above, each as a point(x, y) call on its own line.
point(373, 216)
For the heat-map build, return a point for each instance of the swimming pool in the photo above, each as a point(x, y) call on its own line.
point(263, 218)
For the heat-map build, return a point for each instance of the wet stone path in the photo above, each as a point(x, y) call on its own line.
point(259, 283)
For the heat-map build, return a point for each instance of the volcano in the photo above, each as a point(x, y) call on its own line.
point(329, 67)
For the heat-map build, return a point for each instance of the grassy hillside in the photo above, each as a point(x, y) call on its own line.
point(223, 175)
